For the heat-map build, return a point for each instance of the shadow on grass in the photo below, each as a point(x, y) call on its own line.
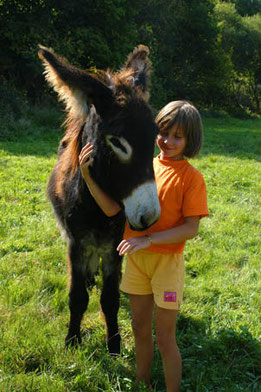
point(36, 133)
point(227, 360)
point(44, 144)
point(243, 145)
point(232, 137)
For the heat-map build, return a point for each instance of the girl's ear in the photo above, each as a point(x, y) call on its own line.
point(76, 88)
point(140, 65)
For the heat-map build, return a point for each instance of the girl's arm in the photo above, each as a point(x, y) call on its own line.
point(172, 236)
point(108, 206)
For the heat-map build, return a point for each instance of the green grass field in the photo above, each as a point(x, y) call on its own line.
point(219, 326)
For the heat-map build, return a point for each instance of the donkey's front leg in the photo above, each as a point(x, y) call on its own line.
point(78, 296)
point(110, 302)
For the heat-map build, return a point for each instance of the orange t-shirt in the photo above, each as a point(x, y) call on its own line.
point(182, 192)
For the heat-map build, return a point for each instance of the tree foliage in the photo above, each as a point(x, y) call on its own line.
point(87, 32)
point(246, 7)
point(207, 51)
point(241, 38)
point(188, 61)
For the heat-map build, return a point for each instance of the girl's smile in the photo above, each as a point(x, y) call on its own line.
point(171, 143)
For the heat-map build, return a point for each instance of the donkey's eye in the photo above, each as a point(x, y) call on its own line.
point(120, 147)
point(121, 100)
point(116, 142)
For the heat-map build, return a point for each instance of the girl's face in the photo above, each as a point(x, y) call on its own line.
point(171, 143)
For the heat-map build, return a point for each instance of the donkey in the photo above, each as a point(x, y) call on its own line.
point(111, 111)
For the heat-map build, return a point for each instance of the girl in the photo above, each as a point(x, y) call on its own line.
point(154, 275)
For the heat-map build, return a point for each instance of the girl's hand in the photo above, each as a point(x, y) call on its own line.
point(133, 244)
point(85, 159)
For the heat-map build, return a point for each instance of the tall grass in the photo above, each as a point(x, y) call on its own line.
point(219, 324)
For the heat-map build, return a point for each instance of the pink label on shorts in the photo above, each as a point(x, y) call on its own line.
point(170, 296)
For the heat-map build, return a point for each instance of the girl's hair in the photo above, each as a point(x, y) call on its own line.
point(184, 115)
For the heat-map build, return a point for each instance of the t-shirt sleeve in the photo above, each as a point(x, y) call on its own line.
point(195, 197)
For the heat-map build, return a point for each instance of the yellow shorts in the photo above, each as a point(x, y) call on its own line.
point(155, 273)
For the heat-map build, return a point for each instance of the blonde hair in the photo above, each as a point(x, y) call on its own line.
point(184, 115)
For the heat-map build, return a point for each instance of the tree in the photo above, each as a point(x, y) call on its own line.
point(189, 62)
point(247, 7)
point(87, 32)
point(202, 50)
point(241, 38)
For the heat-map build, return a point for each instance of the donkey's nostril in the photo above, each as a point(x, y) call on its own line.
point(147, 220)
point(143, 221)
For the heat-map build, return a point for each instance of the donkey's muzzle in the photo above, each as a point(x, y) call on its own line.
point(142, 207)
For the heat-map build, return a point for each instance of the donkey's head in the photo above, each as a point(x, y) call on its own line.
point(112, 112)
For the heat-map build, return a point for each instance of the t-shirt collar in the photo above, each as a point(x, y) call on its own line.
point(170, 162)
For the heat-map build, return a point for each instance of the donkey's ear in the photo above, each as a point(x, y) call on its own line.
point(75, 87)
point(140, 65)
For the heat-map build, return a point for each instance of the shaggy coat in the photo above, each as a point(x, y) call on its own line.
point(110, 110)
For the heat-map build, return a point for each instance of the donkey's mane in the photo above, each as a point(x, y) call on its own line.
point(69, 149)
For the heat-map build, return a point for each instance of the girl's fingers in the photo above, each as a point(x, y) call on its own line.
point(132, 245)
point(85, 150)
point(124, 243)
point(129, 246)
point(84, 156)
point(122, 247)
point(132, 248)
point(126, 248)
point(87, 147)
point(121, 244)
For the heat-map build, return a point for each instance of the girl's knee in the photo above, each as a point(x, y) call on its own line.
point(166, 330)
point(141, 329)
point(166, 341)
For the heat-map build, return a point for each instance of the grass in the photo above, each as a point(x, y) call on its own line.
point(219, 325)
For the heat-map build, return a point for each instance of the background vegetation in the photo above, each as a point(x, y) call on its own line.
point(207, 51)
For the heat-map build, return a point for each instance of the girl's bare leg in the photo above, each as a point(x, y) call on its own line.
point(142, 312)
point(166, 341)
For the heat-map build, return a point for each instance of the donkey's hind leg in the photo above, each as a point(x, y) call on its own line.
point(110, 302)
point(78, 296)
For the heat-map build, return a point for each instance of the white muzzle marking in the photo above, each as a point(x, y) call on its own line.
point(142, 207)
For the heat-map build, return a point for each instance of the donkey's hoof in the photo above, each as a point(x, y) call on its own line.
point(114, 345)
point(73, 340)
